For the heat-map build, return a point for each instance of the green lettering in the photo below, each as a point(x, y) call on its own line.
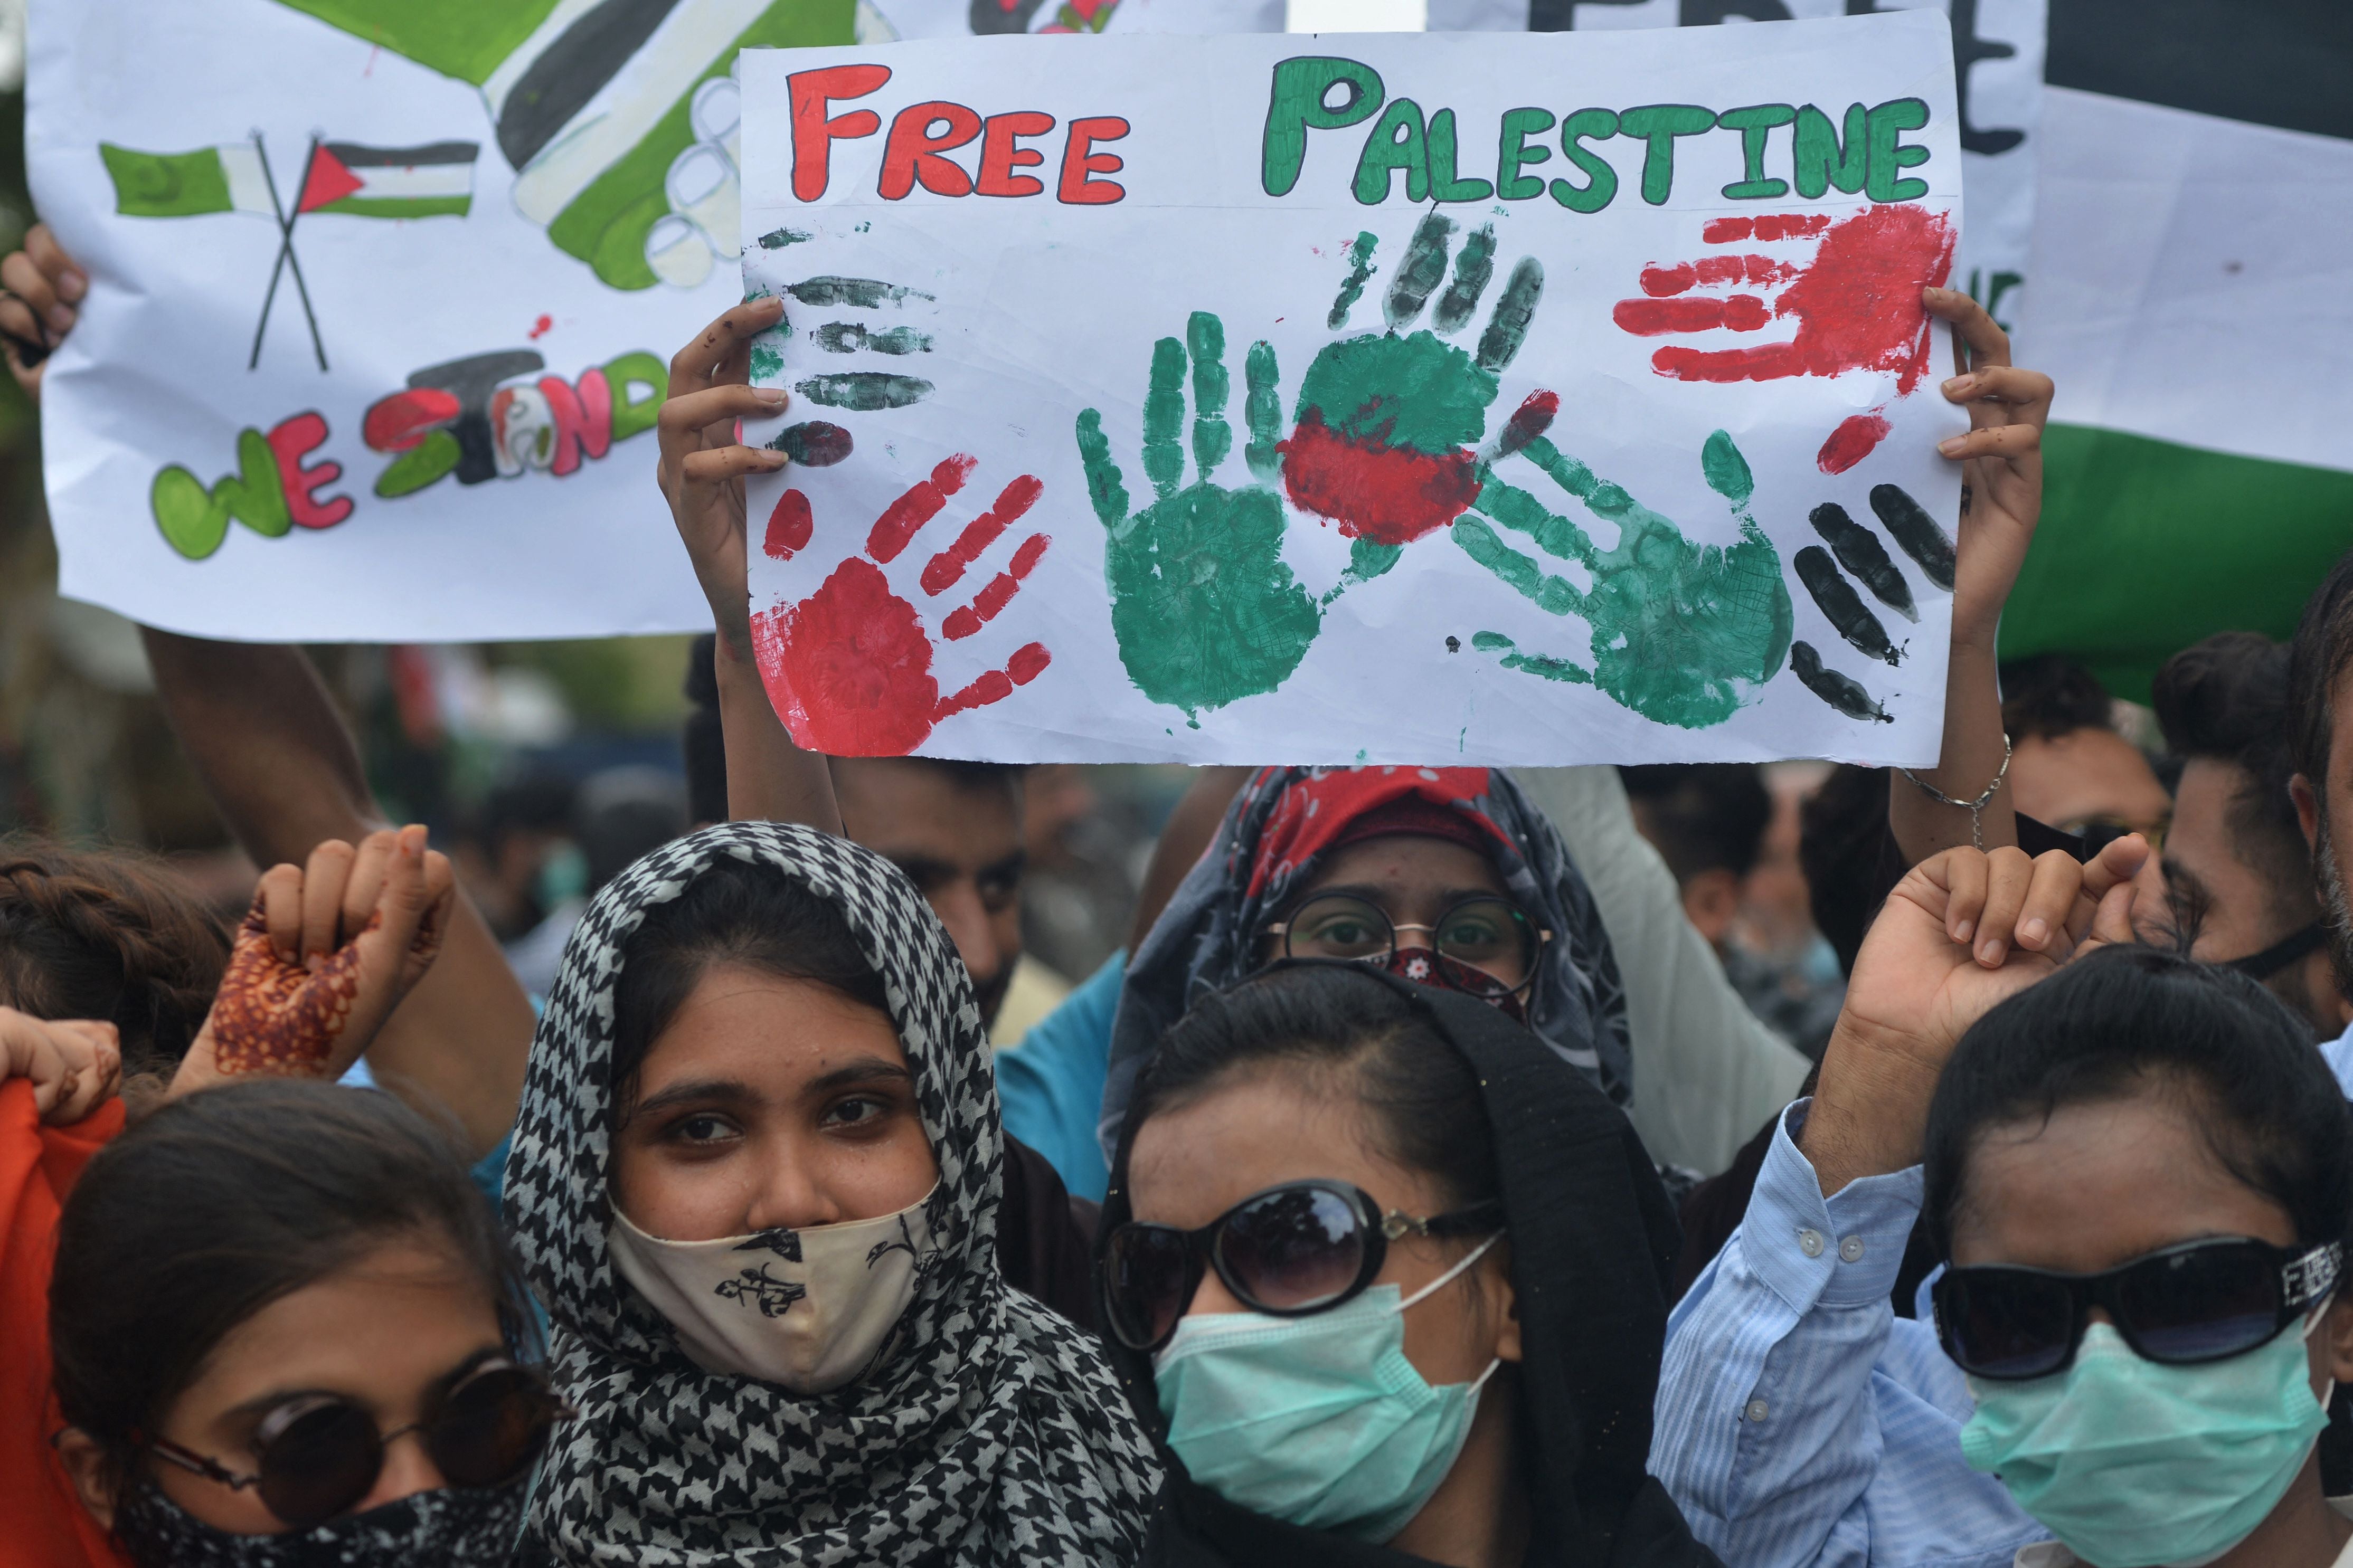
point(1659, 124)
point(1600, 185)
point(1397, 142)
point(1819, 157)
point(1296, 105)
point(1516, 154)
point(1753, 123)
point(631, 412)
point(1888, 156)
point(1444, 184)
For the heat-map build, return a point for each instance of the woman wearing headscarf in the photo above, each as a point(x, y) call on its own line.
point(756, 1183)
point(1447, 877)
point(1389, 1287)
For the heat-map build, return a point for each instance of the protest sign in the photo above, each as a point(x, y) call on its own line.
point(385, 293)
point(1383, 397)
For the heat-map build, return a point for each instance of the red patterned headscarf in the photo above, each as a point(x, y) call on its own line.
point(1287, 822)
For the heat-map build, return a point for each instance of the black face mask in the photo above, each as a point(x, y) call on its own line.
point(453, 1528)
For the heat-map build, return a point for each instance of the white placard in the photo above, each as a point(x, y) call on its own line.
point(1330, 399)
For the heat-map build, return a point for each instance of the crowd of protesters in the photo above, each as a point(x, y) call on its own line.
point(1425, 1176)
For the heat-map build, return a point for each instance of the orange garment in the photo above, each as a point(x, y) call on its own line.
point(46, 1525)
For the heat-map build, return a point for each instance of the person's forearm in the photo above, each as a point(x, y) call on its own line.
point(284, 772)
point(1970, 760)
point(266, 742)
point(770, 779)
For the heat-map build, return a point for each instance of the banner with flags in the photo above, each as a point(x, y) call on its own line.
point(2193, 297)
point(434, 424)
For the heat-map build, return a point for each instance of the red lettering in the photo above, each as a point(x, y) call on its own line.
point(1000, 157)
point(397, 423)
point(290, 442)
point(813, 93)
point(578, 426)
point(913, 152)
point(1079, 162)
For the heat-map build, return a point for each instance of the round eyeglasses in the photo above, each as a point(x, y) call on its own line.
point(1488, 933)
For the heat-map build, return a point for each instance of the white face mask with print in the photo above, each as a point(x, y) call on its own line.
point(808, 1310)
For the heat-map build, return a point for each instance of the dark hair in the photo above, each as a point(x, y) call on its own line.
point(219, 1203)
point(972, 778)
point(734, 912)
point(111, 935)
point(2048, 696)
point(1842, 848)
point(623, 813)
point(702, 746)
point(2226, 699)
point(2322, 648)
point(1703, 816)
point(2135, 1020)
point(1428, 1113)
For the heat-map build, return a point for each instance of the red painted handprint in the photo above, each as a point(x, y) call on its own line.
point(1857, 304)
point(849, 667)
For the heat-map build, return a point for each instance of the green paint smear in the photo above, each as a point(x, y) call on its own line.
point(768, 361)
point(866, 293)
point(777, 238)
point(1682, 634)
point(1415, 391)
point(864, 391)
point(460, 39)
point(1360, 264)
point(1725, 470)
point(849, 337)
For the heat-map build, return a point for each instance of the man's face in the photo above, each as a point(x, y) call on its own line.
point(2086, 778)
point(2231, 907)
point(961, 845)
point(2326, 808)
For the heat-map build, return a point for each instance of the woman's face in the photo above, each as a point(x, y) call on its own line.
point(391, 1333)
point(2102, 1182)
point(1413, 880)
point(769, 1103)
point(1277, 1124)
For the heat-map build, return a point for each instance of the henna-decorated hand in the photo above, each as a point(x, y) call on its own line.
point(324, 955)
point(76, 1064)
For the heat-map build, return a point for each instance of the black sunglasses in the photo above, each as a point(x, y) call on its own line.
point(1290, 1252)
point(2200, 1301)
point(321, 1454)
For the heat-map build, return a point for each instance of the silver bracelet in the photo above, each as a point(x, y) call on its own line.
point(1976, 808)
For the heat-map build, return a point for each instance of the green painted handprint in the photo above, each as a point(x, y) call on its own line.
point(1682, 634)
point(1203, 606)
point(1388, 426)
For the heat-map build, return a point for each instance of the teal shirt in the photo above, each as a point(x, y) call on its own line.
point(1051, 1084)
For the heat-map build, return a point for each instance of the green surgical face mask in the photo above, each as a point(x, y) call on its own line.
point(1317, 1421)
point(2134, 1464)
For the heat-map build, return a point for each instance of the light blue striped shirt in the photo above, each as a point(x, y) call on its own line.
point(1800, 1423)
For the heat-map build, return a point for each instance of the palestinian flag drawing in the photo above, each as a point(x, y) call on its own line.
point(338, 177)
point(2192, 265)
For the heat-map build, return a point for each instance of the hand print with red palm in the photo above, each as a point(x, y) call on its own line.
point(1856, 302)
point(849, 667)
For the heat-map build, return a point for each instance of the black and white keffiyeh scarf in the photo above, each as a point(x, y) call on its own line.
point(997, 1435)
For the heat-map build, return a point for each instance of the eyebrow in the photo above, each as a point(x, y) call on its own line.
point(729, 1089)
point(865, 1070)
point(1448, 897)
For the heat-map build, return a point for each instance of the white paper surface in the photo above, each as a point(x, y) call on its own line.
point(881, 19)
point(1400, 579)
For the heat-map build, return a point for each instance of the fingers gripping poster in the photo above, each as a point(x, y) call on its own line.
point(1380, 397)
point(384, 293)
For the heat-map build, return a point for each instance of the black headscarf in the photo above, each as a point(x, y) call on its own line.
point(1593, 1241)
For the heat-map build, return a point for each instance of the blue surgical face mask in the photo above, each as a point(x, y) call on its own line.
point(2134, 1464)
point(1317, 1421)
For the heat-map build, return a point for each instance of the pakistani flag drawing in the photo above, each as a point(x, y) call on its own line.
point(339, 177)
point(2192, 294)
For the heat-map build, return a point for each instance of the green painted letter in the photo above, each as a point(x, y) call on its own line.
point(1601, 181)
point(1659, 124)
point(1820, 159)
point(1444, 183)
point(1516, 154)
point(1753, 123)
point(1888, 156)
point(1297, 105)
point(1397, 142)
